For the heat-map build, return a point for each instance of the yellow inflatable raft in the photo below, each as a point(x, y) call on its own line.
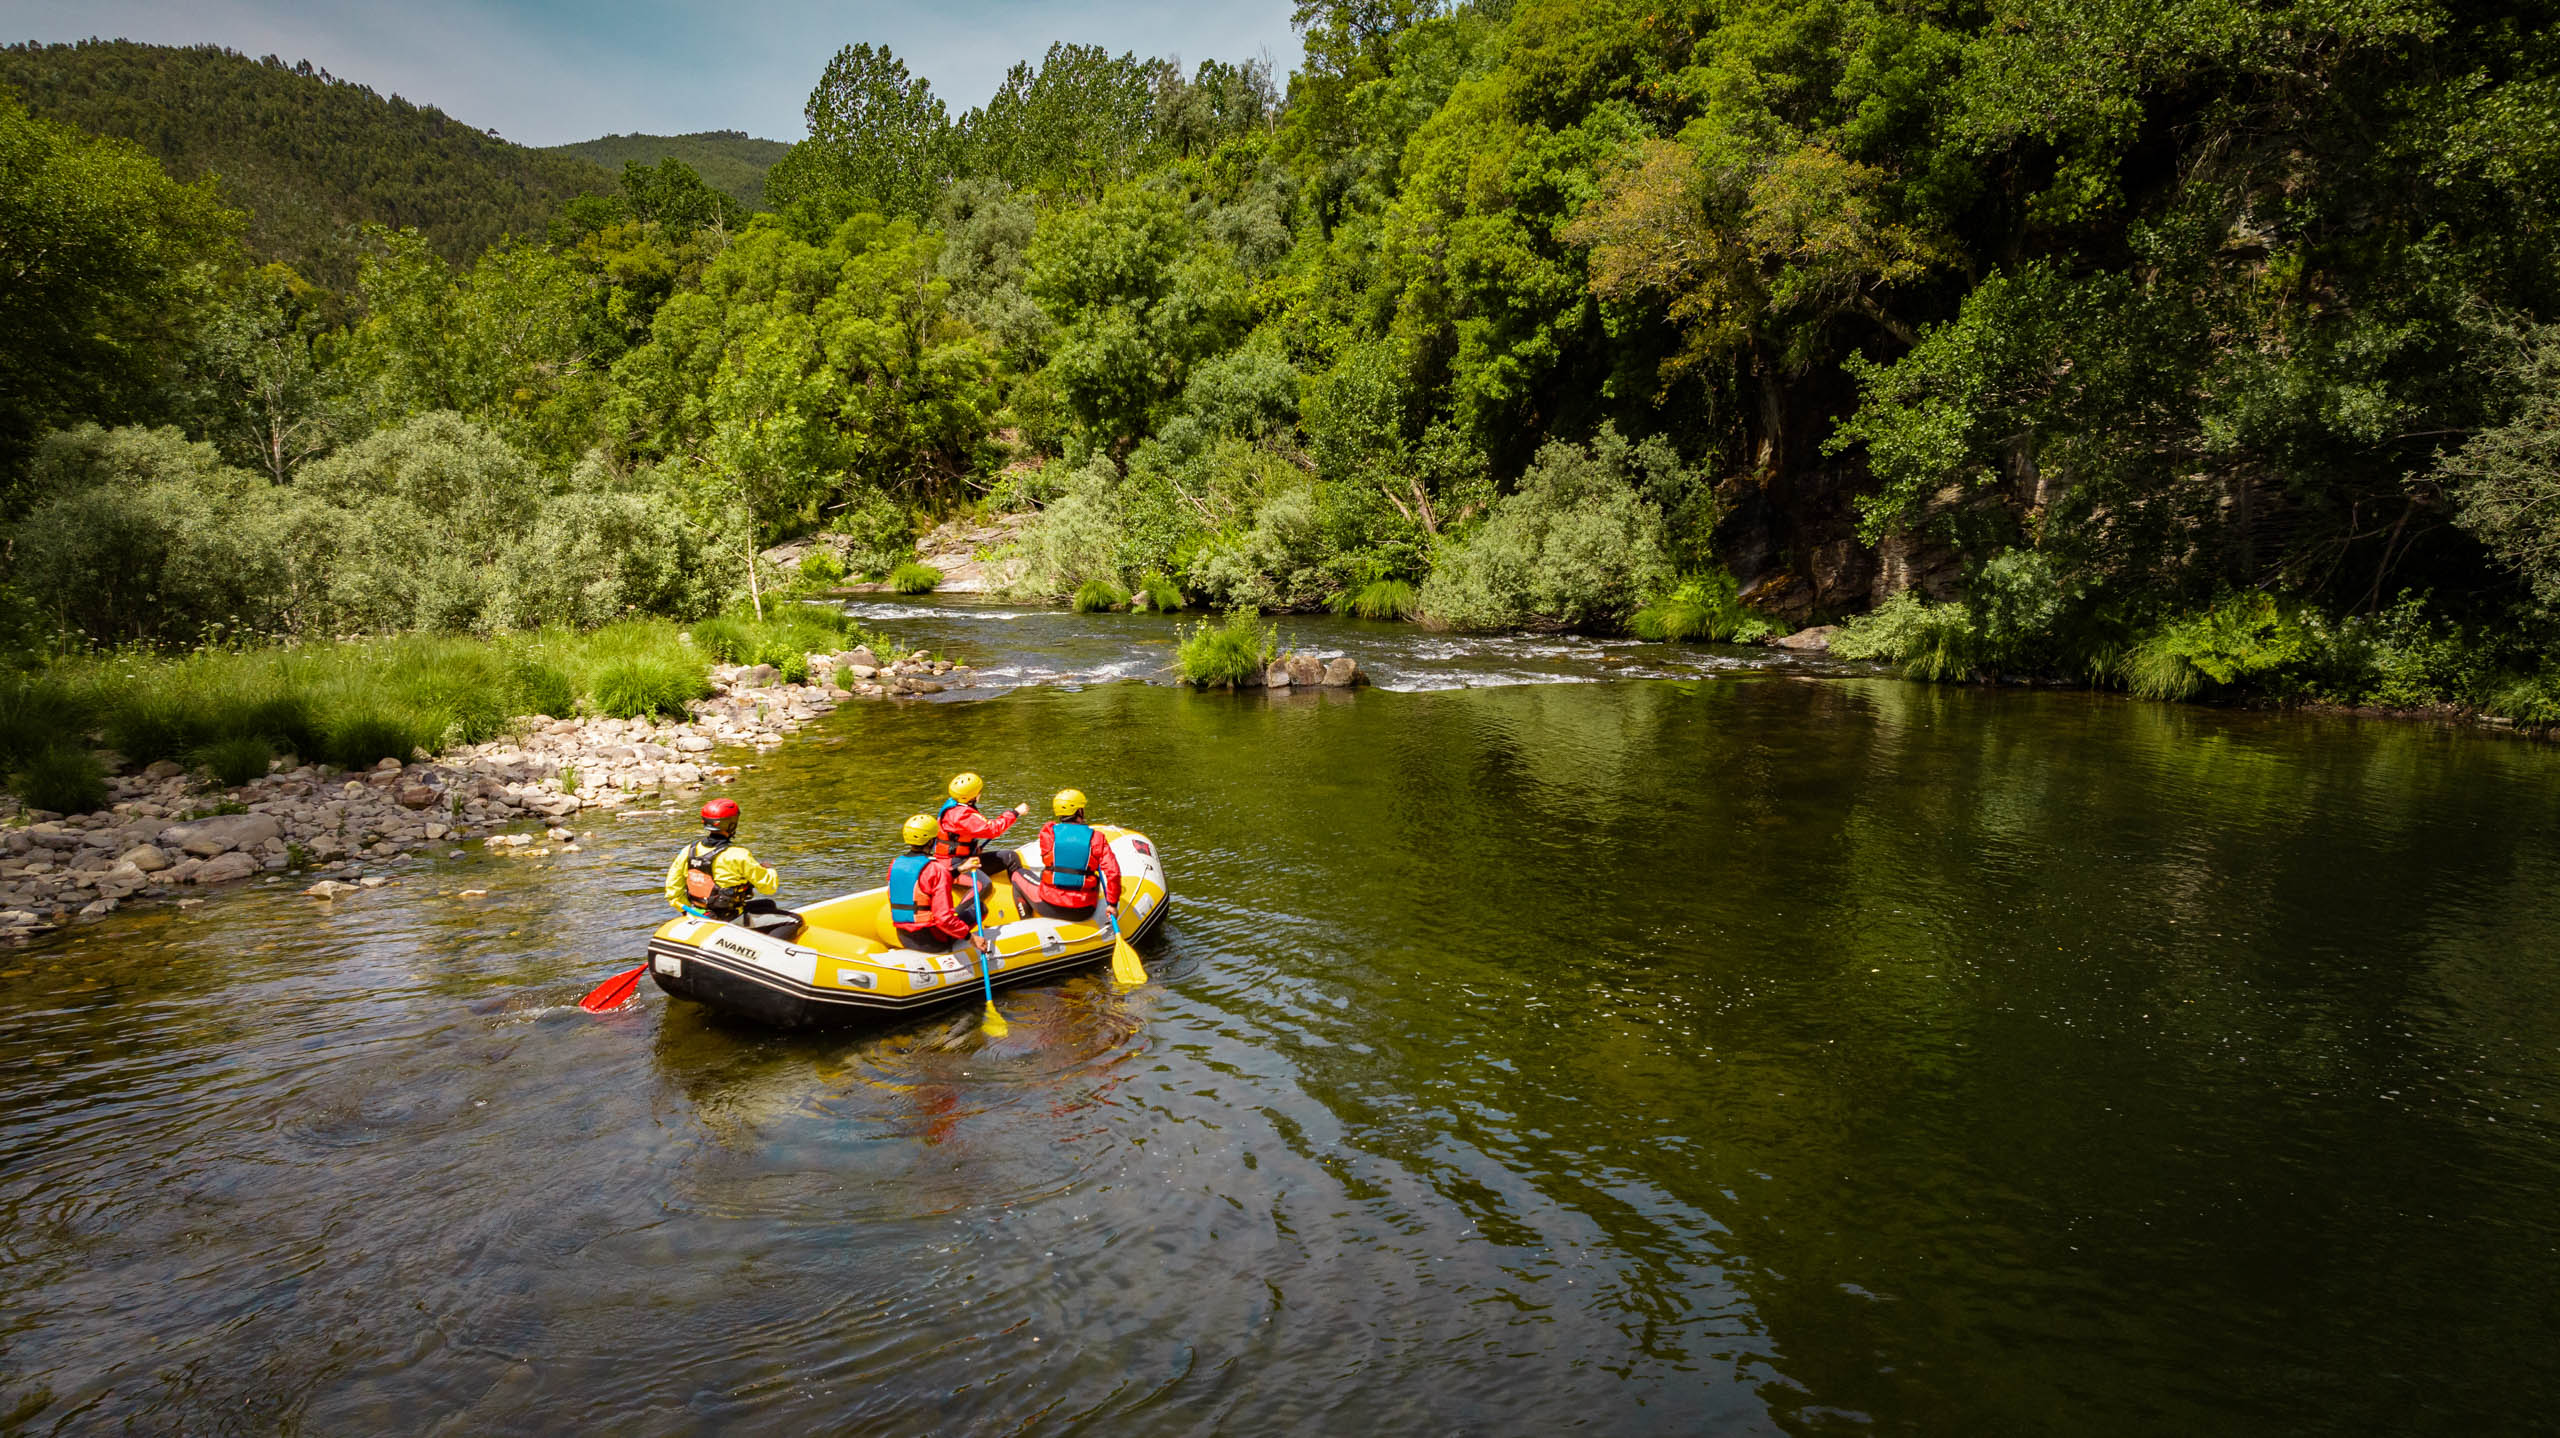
point(845, 964)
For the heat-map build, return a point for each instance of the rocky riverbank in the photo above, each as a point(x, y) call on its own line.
point(168, 833)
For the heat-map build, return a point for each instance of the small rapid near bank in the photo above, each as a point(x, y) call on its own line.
point(1709, 1053)
point(1018, 645)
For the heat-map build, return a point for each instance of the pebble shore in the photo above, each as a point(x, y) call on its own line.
point(168, 833)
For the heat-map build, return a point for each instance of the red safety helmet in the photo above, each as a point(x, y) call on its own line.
point(721, 814)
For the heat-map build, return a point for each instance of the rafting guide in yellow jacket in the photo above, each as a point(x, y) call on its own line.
point(715, 877)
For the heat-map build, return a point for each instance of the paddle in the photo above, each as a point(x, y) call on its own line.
point(1125, 967)
point(614, 992)
point(994, 1022)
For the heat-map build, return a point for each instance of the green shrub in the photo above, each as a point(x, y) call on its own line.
point(2529, 698)
point(237, 760)
point(1157, 593)
point(644, 687)
point(1377, 599)
point(360, 740)
point(1706, 606)
point(36, 712)
point(914, 578)
point(541, 688)
point(1579, 545)
point(726, 639)
point(821, 567)
point(62, 777)
point(1096, 595)
point(1229, 654)
point(1935, 643)
point(2245, 637)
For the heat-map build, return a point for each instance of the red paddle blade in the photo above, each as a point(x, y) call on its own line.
point(614, 992)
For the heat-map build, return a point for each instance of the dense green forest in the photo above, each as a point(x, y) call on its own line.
point(730, 161)
point(308, 158)
point(2193, 347)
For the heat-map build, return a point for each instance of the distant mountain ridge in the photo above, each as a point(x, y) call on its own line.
point(731, 161)
point(309, 156)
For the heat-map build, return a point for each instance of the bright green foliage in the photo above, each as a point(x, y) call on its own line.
point(879, 142)
point(1378, 599)
point(1157, 593)
point(100, 253)
point(1704, 606)
point(1096, 595)
point(2242, 638)
point(1139, 299)
point(1578, 546)
point(915, 578)
point(1228, 655)
point(1933, 642)
point(820, 568)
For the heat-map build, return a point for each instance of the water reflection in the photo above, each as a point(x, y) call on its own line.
point(1733, 1053)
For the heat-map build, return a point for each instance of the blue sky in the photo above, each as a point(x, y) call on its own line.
point(546, 74)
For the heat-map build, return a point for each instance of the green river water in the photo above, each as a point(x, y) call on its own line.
point(1728, 1050)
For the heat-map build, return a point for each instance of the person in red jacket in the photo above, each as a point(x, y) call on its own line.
point(933, 904)
point(968, 834)
point(1076, 866)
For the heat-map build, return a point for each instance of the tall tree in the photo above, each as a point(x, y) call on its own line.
point(104, 260)
point(879, 141)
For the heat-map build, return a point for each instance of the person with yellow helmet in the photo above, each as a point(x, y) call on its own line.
point(966, 833)
point(1076, 866)
point(922, 903)
point(716, 878)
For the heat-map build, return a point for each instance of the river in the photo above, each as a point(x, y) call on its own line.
point(1733, 1045)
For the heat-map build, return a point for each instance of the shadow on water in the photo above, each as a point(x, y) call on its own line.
point(1739, 1052)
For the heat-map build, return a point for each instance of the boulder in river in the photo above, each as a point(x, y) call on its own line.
point(149, 858)
point(1342, 673)
point(223, 868)
point(1277, 676)
point(1814, 640)
point(1305, 670)
point(329, 889)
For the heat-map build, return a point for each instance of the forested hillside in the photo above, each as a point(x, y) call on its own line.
point(309, 158)
point(2193, 348)
point(730, 161)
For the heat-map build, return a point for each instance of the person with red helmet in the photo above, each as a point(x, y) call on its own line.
point(716, 878)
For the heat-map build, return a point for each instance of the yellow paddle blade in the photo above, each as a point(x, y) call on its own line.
point(1125, 966)
point(994, 1023)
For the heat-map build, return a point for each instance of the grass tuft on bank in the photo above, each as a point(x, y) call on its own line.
point(1230, 654)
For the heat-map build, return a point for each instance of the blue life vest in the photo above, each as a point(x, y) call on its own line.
point(904, 871)
point(948, 845)
point(1070, 855)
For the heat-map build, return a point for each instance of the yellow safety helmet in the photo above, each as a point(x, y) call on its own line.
point(1068, 804)
point(967, 787)
point(920, 829)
